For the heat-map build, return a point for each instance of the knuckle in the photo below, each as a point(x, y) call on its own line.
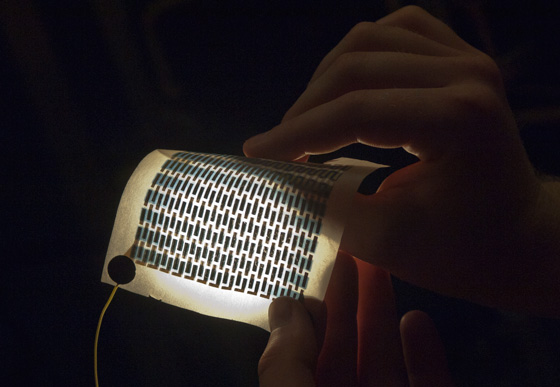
point(475, 101)
point(360, 30)
point(491, 70)
point(266, 362)
point(412, 11)
point(346, 65)
point(411, 15)
point(356, 105)
point(355, 102)
point(485, 69)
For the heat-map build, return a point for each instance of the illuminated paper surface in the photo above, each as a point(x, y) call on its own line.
point(225, 235)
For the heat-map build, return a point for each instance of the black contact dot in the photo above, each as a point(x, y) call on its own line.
point(121, 269)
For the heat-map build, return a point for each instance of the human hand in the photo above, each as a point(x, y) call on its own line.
point(465, 220)
point(362, 344)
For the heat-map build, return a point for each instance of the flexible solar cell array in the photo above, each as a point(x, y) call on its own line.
point(247, 225)
point(225, 235)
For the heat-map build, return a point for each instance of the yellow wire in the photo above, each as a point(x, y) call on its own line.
point(97, 333)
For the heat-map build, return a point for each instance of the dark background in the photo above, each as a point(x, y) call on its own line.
point(88, 88)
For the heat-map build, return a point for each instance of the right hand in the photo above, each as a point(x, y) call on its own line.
point(467, 219)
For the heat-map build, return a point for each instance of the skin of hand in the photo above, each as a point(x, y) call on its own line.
point(470, 219)
point(362, 340)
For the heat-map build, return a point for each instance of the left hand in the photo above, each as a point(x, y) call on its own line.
point(362, 339)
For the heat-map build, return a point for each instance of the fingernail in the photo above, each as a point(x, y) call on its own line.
point(280, 312)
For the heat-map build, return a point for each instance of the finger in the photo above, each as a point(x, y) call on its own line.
point(420, 119)
point(337, 361)
point(378, 70)
point(291, 353)
point(419, 21)
point(368, 36)
point(388, 229)
point(424, 352)
point(380, 360)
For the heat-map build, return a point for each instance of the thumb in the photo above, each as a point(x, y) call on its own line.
point(290, 356)
point(397, 230)
point(424, 352)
